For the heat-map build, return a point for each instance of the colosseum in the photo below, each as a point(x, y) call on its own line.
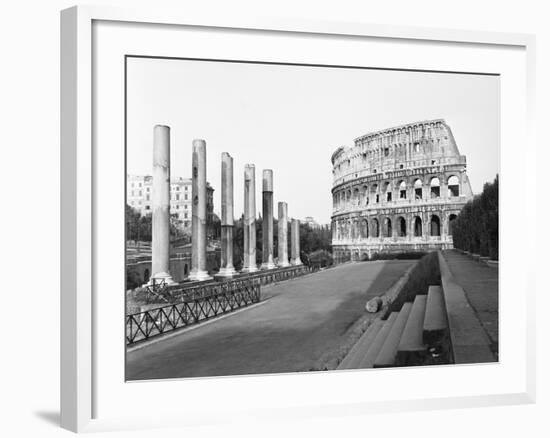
point(397, 190)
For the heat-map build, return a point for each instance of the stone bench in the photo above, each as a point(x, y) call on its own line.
point(435, 328)
point(411, 349)
point(387, 355)
point(359, 350)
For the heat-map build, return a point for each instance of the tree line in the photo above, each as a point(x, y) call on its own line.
point(315, 242)
point(476, 227)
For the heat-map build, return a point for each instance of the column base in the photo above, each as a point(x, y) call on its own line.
point(159, 277)
point(249, 269)
point(296, 262)
point(228, 271)
point(268, 265)
point(283, 264)
point(197, 275)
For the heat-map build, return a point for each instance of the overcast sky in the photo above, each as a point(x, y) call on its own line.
point(292, 118)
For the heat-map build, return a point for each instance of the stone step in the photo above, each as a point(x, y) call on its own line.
point(411, 349)
point(435, 320)
point(351, 361)
point(367, 361)
point(387, 355)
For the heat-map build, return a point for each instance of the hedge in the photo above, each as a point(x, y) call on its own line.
point(476, 227)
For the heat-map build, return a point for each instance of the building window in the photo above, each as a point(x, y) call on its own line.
point(435, 226)
point(186, 196)
point(402, 190)
point(177, 196)
point(418, 189)
point(417, 227)
point(388, 196)
point(434, 188)
point(453, 186)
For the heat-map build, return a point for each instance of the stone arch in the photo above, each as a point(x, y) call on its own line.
point(453, 184)
point(356, 196)
point(435, 189)
point(417, 189)
point(417, 226)
point(401, 226)
point(387, 191)
point(387, 227)
point(375, 228)
point(402, 189)
point(364, 229)
point(435, 225)
point(374, 191)
point(365, 195)
point(452, 218)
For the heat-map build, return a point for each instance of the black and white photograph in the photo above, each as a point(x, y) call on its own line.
point(290, 218)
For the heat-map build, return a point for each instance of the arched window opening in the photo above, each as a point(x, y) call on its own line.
point(375, 228)
point(418, 189)
point(366, 194)
point(387, 190)
point(387, 227)
point(435, 226)
point(356, 196)
point(453, 185)
point(402, 226)
point(452, 218)
point(434, 188)
point(402, 190)
point(374, 191)
point(417, 227)
point(364, 229)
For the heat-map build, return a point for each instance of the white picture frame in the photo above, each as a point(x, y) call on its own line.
point(83, 370)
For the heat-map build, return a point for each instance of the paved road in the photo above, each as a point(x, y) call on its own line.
point(480, 283)
point(300, 320)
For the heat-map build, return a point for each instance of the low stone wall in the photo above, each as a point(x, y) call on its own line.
point(416, 281)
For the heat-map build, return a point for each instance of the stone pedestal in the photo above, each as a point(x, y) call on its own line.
point(198, 193)
point(160, 263)
point(282, 229)
point(226, 267)
point(295, 243)
point(249, 247)
point(267, 219)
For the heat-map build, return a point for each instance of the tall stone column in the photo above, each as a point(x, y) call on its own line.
point(198, 207)
point(160, 263)
point(282, 229)
point(227, 269)
point(267, 219)
point(249, 246)
point(295, 243)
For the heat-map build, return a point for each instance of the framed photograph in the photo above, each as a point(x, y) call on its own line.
point(256, 208)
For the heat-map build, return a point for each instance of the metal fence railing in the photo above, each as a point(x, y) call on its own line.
point(195, 305)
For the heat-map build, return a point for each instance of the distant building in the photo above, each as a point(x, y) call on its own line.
point(139, 194)
point(397, 190)
point(311, 222)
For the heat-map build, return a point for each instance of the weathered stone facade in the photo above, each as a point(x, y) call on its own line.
point(397, 190)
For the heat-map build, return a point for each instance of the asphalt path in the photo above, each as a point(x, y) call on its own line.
point(300, 320)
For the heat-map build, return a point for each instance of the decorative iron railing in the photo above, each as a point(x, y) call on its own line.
point(194, 306)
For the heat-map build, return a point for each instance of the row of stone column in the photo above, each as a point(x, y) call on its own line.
point(249, 245)
point(161, 216)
